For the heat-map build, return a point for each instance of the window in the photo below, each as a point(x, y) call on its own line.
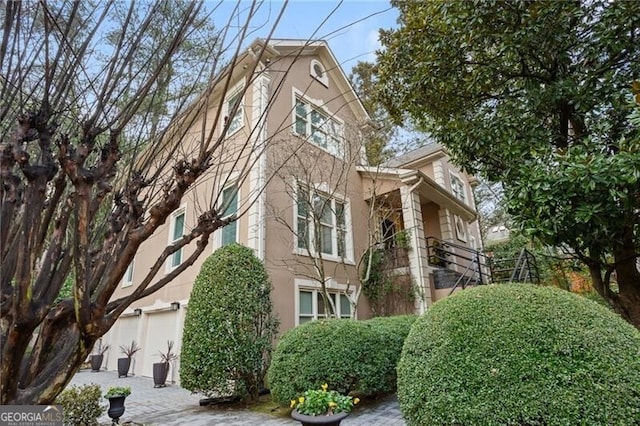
point(230, 204)
point(318, 72)
point(318, 127)
point(321, 223)
point(457, 188)
point(461, 229)
point(176, 232)
point(127, 279)
point(311, 305)
point(237, 120)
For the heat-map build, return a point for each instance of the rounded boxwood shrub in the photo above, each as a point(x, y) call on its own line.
point(515, 354)
point(229, 326)
point(81, 405)
point(347, 355)
point(390, 334)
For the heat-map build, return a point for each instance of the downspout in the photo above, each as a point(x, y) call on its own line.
point(417, 184)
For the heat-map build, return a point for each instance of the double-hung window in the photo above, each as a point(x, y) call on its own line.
point(176, 232)
point(321, 223)
point(318, 127)
point(230, 205)
point(457, 188)
point(312, 306)
point(237, 120)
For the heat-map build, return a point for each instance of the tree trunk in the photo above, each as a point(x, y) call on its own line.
point(626, 300)
point(628, 278)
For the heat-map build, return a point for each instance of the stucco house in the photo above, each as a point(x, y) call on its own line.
point(308, 204)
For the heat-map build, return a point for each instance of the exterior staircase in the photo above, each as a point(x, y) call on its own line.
point(457, 266)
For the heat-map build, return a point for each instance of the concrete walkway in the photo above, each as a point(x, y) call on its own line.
point(174, 406)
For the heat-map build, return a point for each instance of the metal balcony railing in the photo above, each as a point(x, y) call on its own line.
point(472, 267)
point(522, 269)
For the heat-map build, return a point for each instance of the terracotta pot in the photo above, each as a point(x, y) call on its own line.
point(330, 420)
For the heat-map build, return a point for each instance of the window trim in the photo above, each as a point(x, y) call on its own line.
point(322, 79)
point(316, 105)
point(229, 185)
point(237, 89)
point(348, 229)
point(462, 193)
point(460, 228)
point(314, 287)
point(127, 278)
point(181, 210)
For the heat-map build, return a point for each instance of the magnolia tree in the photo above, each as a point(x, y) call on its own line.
point(536, 95)
point(98, 146)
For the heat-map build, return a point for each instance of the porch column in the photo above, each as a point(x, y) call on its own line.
point(412, 216)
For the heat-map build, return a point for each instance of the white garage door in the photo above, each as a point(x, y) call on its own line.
point(127, 332)
point(124, 331)
point(161, 327)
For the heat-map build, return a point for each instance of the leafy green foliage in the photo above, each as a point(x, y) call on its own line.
point(114, 391)
point(81, 405)
point(535, 95)
point(349, 356)
point(229, 327)
point(387, 292)
point(581, 195)
point(520, 354)
point(317, 402)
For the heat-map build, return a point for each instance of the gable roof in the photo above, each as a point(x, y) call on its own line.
point(424, 154)
point(300, 47)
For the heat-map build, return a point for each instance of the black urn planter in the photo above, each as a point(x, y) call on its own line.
point(160, 371)
point(96, 362)
point(123, 366)
point(116, 408)
point(330, 420)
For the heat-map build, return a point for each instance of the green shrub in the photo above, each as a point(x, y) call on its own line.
point(81, 405)
point(391, 333)
point(516, 354)
point(347, 355)
point(229, 328)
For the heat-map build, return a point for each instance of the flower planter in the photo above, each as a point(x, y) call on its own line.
point(96, 362)
point(330, 420)
point(160, 371)
point(116, 408)
point(123, 366)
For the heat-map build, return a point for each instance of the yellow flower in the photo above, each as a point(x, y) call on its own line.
point(301, 399)
point(332, 404)
point(293, 403)
point(324, 387)
point(356, 400)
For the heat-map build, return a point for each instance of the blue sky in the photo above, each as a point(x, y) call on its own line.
point(351, 30)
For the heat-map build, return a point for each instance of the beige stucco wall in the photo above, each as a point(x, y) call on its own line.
point(283, 265)
point(313, 166)
point(233, 153)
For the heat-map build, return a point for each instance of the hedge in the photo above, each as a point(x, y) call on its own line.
point(516, 354)
point(348, 355)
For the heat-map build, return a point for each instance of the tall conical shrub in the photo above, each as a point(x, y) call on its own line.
point(229, 327)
